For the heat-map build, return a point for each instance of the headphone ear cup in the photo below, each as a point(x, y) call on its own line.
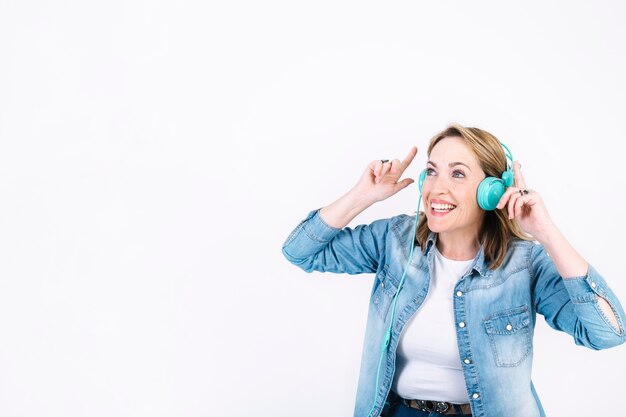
point(490, 191)
point(420, 181)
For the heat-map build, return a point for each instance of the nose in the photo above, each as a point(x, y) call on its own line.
point(438, 184)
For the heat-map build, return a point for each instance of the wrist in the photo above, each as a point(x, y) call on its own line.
point(358, 200)
point(546, 235)
point(344, 210)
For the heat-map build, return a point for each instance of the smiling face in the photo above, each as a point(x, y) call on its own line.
point(449, 192)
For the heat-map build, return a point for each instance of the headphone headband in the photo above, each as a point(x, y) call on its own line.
point(508, 156)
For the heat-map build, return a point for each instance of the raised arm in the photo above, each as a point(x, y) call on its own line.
point(322, 242)
point(379, 182)
point(583, 284)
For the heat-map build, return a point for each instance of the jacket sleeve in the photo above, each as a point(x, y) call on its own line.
point(571, 305)
point(315, 246)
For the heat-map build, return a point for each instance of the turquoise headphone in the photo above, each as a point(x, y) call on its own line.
point(491, 189)
point(489, 192)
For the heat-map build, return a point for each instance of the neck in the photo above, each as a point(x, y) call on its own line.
point(458, 248)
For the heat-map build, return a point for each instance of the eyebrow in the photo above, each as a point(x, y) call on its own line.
point(451, 164)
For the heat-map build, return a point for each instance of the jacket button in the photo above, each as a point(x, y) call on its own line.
point(467, 361)
point(475, 395)
point(593, 285)
point(459, 293)
point(509, 327)
point(461, 324)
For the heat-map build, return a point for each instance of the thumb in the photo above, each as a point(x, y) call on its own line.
point(403, 184)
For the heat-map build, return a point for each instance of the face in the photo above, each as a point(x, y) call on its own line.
point(449, 190)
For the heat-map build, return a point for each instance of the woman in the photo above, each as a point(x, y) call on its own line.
point(450, 324)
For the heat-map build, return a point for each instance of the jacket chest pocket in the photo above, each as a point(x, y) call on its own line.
point(386, 287)
point(509, 336)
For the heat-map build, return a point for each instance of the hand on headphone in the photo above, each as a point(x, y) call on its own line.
point(381, 179)
point(526, 207)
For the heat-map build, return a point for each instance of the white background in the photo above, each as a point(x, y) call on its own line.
point(154, 155)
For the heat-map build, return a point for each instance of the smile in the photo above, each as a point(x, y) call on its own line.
point(442, 208)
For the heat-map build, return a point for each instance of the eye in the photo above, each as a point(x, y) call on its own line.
point(458, 174)
point(430, 171)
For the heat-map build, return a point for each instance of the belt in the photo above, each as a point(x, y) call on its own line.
point(441, 407)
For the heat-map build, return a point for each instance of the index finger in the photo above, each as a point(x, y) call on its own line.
point(409, 158)
point(517, 176)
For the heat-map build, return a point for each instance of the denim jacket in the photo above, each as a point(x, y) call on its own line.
point(495, 310)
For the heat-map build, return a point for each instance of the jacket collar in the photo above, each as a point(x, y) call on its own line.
point(480, 265)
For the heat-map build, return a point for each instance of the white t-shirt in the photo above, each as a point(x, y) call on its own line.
point(428, 363)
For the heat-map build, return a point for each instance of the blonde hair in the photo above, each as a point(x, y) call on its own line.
point(497, 230)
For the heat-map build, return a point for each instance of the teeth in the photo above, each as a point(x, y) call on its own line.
point(438, 206)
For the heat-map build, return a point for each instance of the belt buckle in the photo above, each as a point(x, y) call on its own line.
point(441, 407)
point(423, 405)
point(430, 406)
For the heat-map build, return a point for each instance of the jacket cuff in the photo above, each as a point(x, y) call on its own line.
point(586, 288)
point(316, 229)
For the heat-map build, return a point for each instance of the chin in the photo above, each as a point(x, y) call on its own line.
point(435, 226)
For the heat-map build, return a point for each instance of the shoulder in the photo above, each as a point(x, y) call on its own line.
point(402, 220)
point(402, 223)
point(396, 227)
point(528, 253)
point(520, 246)
point(519, 254)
